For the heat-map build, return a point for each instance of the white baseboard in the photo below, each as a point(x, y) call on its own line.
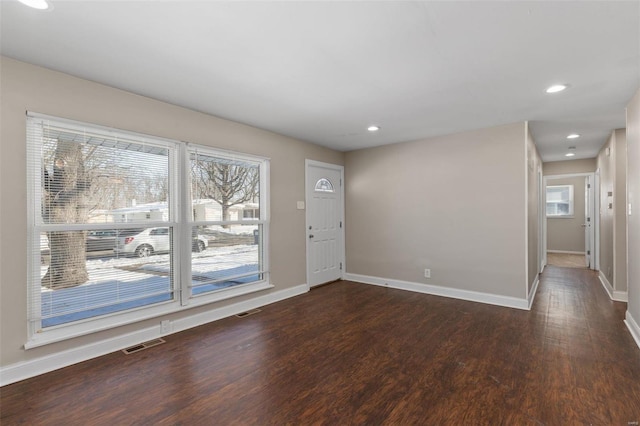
point(633, 327)
point(533, 291)
point(618, 296)
point(567, 252)
point(473, 296)
point(26, 369)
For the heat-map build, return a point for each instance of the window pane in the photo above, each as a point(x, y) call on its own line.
point(560, 200)
point(223, 189)
point(84, 177)
point(324, 185)
point(96, 179)
point(231, 255)
point(110, 284)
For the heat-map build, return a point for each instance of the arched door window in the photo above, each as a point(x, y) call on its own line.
point(324, 185)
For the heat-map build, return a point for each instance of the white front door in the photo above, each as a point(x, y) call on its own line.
point(324, 222)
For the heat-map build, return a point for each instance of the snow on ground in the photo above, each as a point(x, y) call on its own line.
point(211, 260)
point(133, 282)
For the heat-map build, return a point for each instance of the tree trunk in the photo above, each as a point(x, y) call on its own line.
point(68, 265)
point(225, 215)
point(64, 202)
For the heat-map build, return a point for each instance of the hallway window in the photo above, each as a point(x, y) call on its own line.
point(560, 201)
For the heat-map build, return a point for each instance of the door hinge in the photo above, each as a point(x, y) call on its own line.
point(588, 252)
point(341, 266)
point(588, 185)
point(340, 224)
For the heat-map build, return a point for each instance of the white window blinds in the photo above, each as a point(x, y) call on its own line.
point(97, 199)
point(228, 200)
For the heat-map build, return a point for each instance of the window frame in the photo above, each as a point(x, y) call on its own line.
point(570, 202)
point(189, 223)
point(180, 220)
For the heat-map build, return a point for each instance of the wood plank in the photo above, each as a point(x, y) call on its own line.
point(350, 353)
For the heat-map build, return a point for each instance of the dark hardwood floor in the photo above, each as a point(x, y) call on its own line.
point(350, 353)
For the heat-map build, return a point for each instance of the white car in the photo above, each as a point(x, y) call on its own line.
point(152, 240)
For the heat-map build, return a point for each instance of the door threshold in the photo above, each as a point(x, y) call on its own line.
point(325, 284)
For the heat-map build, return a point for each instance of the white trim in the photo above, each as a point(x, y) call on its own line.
point(532, 293)
point(606, 284)
point(568, 175)
point(455, 293)
point(595, 210)
point(542, 255)
point(615, 295)
point(118, 319)
point(26, 369)
point(567, 252)
point(620, 296)
point(633, 327)
point(81, 127)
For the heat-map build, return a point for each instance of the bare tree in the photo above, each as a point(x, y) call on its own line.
point(64, 201)
point(227, 183)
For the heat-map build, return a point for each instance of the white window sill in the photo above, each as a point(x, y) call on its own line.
point(95, 325)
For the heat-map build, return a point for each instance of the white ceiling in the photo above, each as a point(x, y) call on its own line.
point(324, 71)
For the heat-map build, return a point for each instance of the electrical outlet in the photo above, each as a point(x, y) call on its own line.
point(165, 327)
point(427, 273)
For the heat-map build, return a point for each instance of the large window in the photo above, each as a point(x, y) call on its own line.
point(125, 226)
point(560, 201)
point(226, 197)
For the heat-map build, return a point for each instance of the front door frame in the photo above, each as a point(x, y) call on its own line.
point(313, 163)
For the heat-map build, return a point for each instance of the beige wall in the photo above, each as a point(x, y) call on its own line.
point(633, 191)
point(29, 88)
point(534, 169)
point(587, 165)
point(620, 212)
point(567, 234)
point(455, 204)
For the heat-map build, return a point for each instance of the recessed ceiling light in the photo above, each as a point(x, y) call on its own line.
point(36, 4)
point(373, 128)
point(573, 136)
point(556, 88)
point(570, 154)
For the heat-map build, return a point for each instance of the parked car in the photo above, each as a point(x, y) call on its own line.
point(153, 240)
point(101, 240)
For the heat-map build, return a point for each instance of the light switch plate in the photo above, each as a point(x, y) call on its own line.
point(300, 205)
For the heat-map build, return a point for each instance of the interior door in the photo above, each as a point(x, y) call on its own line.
point(588, 223)
point(324, 222)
